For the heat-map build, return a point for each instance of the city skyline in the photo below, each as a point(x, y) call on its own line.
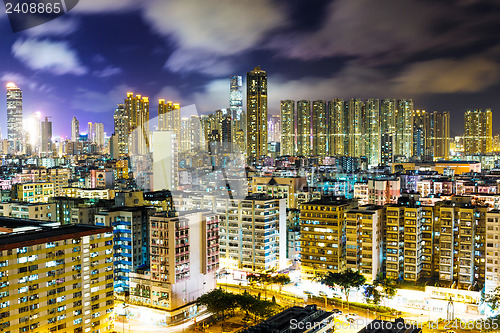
point(439, 62)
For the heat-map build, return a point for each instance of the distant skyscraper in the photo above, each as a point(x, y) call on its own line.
point(236, 96)
point(338, 126)
point(46, 131)
point(387, 130)
point(441, 135)
point(478, 132)
point(372, 131)
point(137, 108)
point(288, 128)
point(256, 114)
point(169, 116)
point(99, 134)
point(354, 110)
point(404, 128)
point(121, 125)
point(304, 128)
point(14, 118)
point(32, 134)
point(420, 133)
point(90, 132)
point(274, 129)
point(320, 128)
point(75, 129)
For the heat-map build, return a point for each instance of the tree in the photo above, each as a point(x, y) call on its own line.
point(281, 280)
point(217, 301)
point(345, 281)
point(263, 309)
point(372, 294)
point(382, 287)
point(493, 299)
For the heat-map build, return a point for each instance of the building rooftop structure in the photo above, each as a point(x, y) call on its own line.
point(295, 319)
point(46, 234)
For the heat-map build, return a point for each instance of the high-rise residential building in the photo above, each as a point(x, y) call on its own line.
point(185, 143)
point(99, 134)
point(184, 257)
point(274, 128)
point(131, 241)
point(165, 161)
point(372, 131)
point(354, 110)
point(304, 128)
point(420, 133)
point(137, 109)
point(90, 132)
point(75, 130)
point(236, 97)
point(338, 127)
point(253, 233)
point(121, 126)
point(32, 127)
point(404, 129)
point(57, 279)
point(462, 243)
point(14, 118)
point(323, 241)
point(478, 132)
point(364, 240)
point(492, 273)
point(387, 130)
point(320, 128)
point(169, 116)
point(287, 143)
point(217, 131)
point(441, 135)
point(197, 138)
point(256, 114)
point(46, 133)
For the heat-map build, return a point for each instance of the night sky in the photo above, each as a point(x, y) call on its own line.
point(443, 54)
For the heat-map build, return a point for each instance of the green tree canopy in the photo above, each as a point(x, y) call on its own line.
point(344, 280)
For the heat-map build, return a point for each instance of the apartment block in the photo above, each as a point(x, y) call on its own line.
point(34, 192)
point(365, 224)
point(88, 193)
point(383, 191)
point(130, 239)
point(253, 233)
point(280, 187)
point(323, 230)
point(462, 243)
point(56, 279)
point(394, 241)
point(492, 274)
point(184, 257)
point(25, 210)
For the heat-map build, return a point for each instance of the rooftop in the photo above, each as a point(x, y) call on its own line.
point(37, 236)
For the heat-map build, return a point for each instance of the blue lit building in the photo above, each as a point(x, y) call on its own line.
point(130, 239)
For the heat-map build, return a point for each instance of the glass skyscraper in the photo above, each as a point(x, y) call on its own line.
point(14, 118)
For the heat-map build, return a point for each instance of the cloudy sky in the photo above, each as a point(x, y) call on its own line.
point(443, 54)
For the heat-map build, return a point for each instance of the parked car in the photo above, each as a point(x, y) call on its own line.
point(322, 294)
point(337, 311)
